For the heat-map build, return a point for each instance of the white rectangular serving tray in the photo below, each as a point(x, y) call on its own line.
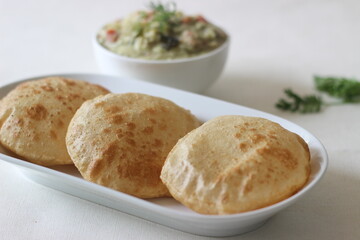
point(167, 211)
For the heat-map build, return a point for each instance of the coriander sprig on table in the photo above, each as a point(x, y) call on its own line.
point(306, 104)
point(348, 90)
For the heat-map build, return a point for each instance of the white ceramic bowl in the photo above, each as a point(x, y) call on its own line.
point(193, 74)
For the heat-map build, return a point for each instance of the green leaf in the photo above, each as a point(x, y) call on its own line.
point(346, 89)
point(163, 14)
point(296, 103)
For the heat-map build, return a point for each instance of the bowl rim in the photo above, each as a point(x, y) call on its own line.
point(222, 47)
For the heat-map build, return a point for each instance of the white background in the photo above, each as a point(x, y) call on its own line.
point(274, 45)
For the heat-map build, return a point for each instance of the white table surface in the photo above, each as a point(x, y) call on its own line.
point(275, 44)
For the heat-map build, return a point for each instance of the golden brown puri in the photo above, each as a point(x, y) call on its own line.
point(233, 164)
point(34, 117)
point(121, 141)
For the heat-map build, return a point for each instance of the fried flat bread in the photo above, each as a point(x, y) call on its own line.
point(233, 164)
point(121, 141)
point(35, 115)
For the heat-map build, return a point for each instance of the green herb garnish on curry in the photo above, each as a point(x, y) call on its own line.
point(161, 33)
